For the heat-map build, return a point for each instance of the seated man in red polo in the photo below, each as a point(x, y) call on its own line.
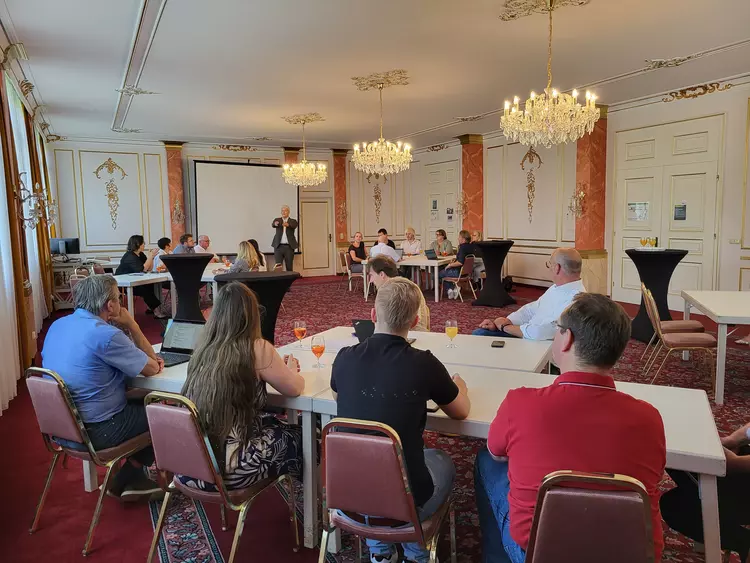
point(580, 422)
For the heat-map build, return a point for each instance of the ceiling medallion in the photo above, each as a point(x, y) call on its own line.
point(130, 90)
point(234, 148)
point(381, 157)
point(469, 118)
point(552, 117)
point(515, 9)
point(304, 173)
point(697, 91)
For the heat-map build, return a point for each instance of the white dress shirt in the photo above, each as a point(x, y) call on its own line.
point(200, 250)
point(284, 239)
point(157, 260)
point(537, 320)
point(382, 248)
point(413, 247)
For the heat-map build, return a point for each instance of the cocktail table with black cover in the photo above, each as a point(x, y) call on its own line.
point(187, 271)
point(655, 267)
point(270, 287)
point(493, 293)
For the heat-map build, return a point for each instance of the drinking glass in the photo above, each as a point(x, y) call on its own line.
point(644, 241)
point(318, 346)
point(451, 329)
point(652, 242)
point(300, 331)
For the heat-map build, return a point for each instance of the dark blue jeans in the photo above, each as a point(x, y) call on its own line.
point(449, 273)
point(491, 486)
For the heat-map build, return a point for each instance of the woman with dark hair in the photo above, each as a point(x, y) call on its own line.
point(226, 379)
point(441, 245)
point(261, 259)
point(135, 261)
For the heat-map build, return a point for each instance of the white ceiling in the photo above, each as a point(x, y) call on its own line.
point(227, 70)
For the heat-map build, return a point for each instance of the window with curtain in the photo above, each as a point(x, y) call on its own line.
point(24, 165)
point(10, 366)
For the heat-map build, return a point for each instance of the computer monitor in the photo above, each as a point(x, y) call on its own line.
point(63, 246)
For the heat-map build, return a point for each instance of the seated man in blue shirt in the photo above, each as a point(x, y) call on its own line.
point(453, 270)
point(92, 354)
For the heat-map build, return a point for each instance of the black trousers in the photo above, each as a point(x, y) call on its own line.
point(284, 252)
point(681, 510)
point(147, 293)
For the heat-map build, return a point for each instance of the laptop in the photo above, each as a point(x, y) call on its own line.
point(364, 329)
point(430, 254)
point(180, 339)
point(400, 253)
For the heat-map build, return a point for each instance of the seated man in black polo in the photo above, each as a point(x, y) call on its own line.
point(388, 241)
point(453, 270)
point(384, 379)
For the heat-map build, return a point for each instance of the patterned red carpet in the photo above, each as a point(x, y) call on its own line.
point(124, 533)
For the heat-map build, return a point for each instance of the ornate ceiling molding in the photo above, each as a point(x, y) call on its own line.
point(469, 118)
point(126, 130)
point(515, 9)
point(397, 77)
point(437, 148)
point(697, 91)
point(234, 148)
point(303, 118)
point(26, 87)
point(259, 139)
point(130, 90)
point(654, 64)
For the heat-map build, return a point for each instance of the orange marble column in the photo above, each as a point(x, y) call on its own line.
point(176, 189)
point(472, 181)
point(591, 177)
point(339, 195)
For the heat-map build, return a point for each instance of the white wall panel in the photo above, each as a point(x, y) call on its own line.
point(493, 192)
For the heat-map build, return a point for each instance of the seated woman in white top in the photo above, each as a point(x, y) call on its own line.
point(246, 261)
point(165, 247)
point(226, 379)
point(262, 267)
point(411, 246)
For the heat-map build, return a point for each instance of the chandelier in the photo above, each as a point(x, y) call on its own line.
point(304, 173)
point(382, 157)
point(550, 118)
point(36, 203)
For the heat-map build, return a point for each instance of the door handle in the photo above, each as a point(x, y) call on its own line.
point(329, 238)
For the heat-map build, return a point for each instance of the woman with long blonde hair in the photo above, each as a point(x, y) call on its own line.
point(247, 259)
point(226, 380)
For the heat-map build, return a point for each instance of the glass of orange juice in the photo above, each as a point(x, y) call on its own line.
point(300, 331)
point(451, 330)
point(318, 347)
point(644, 241)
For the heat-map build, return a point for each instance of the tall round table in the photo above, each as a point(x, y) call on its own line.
point(493, 293)
point(270, 288)
point(655, 267)
point(187, 271)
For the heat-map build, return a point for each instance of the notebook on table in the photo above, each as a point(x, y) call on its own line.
point(180, 339)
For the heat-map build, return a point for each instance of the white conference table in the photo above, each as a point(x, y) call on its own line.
point(417, 262)
point(476, 351)
point(692, 439)
point(724, 308)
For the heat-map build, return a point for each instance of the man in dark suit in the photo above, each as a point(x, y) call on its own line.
point(284, 242)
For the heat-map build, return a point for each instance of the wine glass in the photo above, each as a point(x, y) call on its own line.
point(318, 346)
point(644, 241)
point(652, 242)
point(451, 329)
point(300, 331)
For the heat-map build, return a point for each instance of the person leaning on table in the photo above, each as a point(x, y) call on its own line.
point(536, 320)
point(580, 422)
point(385, 379)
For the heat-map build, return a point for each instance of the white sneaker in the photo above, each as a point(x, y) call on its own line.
point(451, 293)
point(392, 558)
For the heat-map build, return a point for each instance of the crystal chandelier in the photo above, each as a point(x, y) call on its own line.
point(382, 157)
point(304, 173)
point(35, 203)
point(550, 118)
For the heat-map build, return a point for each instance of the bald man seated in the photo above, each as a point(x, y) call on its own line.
point(536, 320)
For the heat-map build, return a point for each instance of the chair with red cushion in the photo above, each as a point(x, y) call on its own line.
point(181, 446)
point(365, 474)
point(591, 518)
point(58, 419)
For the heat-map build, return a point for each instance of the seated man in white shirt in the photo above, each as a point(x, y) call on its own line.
point(165, 247)
point(410, 245)
point(537, 320)
point(383, 248)
point(203, 247)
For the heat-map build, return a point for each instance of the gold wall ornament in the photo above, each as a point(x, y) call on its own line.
point(178, 215)
point(654, 64)
point(514, 9)
point(342, 213)
point(437, 148)
point(54, 138)
point(697, 91)
point(532, 157)
point(377, 197)
point(234, 148)
point(112, 191)
point(26, 87)
point(469, 118)
point(462, 205)
point(576, 205)
point(397, 77)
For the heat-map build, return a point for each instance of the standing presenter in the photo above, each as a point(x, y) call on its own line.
point(284, 242)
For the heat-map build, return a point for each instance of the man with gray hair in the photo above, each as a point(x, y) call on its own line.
point(91, 353)
point(536, 320)
point(284, 242)
point(385, 379)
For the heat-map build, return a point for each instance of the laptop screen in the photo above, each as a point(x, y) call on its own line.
point(182, 336)
point(400, 253)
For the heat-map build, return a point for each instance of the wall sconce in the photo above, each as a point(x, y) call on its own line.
point(38, 205)
point(575, 207)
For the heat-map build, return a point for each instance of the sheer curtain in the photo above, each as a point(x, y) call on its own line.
point(32, 244)
point(10, 366)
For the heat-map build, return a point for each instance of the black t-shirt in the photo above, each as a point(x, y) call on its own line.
point(389, 243)
point(131, 263)
point(464, 249)
point(359, 252)
point(384, 379)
